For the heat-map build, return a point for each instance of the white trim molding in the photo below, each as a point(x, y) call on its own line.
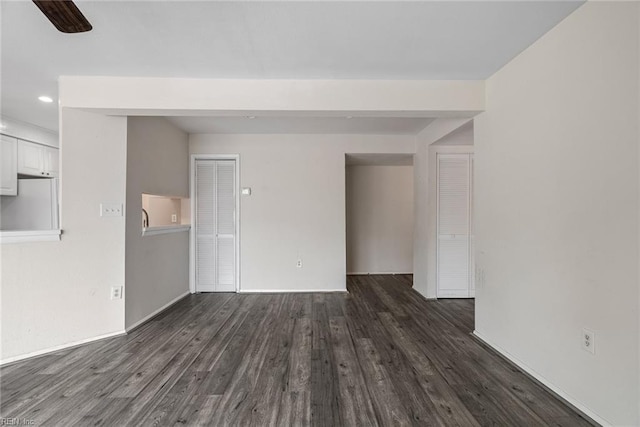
point(30, 236)
point(60, 347)
point(158, 311)
point(377, 273)
point(545, 382)
point(165, 229)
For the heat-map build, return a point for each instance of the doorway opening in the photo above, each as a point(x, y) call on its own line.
point(379, 216)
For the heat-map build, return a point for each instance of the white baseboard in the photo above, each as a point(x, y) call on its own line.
point(60, 347)
point(569, 399)
point(288, 291)
point(376, 273)
point(158, 311)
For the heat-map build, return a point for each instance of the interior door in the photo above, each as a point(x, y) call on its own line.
point(472, 246)
point(454, 226)
point(215, 226)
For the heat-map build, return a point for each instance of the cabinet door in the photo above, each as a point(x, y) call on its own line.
point(30, 159)
point(9, 163)
point(51, 162)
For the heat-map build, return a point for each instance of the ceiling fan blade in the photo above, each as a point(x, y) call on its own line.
point(64, 15)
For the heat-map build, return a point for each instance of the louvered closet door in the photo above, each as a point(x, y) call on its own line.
point(215, 231)
point(454, 247)
point(472, 246)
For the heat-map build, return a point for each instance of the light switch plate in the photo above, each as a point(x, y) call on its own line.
point(116, 292)
point(110, 209)
point(246, 191)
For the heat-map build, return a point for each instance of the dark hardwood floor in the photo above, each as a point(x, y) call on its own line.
point(380, 355)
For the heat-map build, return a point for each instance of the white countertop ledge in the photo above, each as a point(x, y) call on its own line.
point(20, 236)
point(165, 229)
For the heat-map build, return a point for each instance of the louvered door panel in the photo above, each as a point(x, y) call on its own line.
point(453, 225)
point(472, 248)
point(205, 226)
point(453, 193)
point(226, 265)
point(225, 176)
point(226, 225)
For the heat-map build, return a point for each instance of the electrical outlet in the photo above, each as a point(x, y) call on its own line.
point(589, 341)
point(174, 218)
point(110, 209)
point(116, 292)
point(299, 263)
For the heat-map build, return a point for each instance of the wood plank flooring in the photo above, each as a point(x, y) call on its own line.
point(379, 355)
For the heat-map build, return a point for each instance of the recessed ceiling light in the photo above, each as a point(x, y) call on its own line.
point(251, 117)
point(45, 99)
point(3, 126)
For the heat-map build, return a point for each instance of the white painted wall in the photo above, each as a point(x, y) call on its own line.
point(424, 207)
point(297, 206)
point(420, 194)
point(557, 209)
point(57, 293)
point(157, 267)
point(379, 219)
point(460, 136)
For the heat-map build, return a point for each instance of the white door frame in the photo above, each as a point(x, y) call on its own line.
point(192, 232)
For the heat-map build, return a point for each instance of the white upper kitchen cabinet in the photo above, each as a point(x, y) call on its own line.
point(9, 162)
point(51, 162)
point(37, 160)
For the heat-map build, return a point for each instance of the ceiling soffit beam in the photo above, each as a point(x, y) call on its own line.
point(192, 97)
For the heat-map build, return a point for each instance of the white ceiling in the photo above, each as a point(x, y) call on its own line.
point(382, 159)
point(302, 125)
point(264, 39)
